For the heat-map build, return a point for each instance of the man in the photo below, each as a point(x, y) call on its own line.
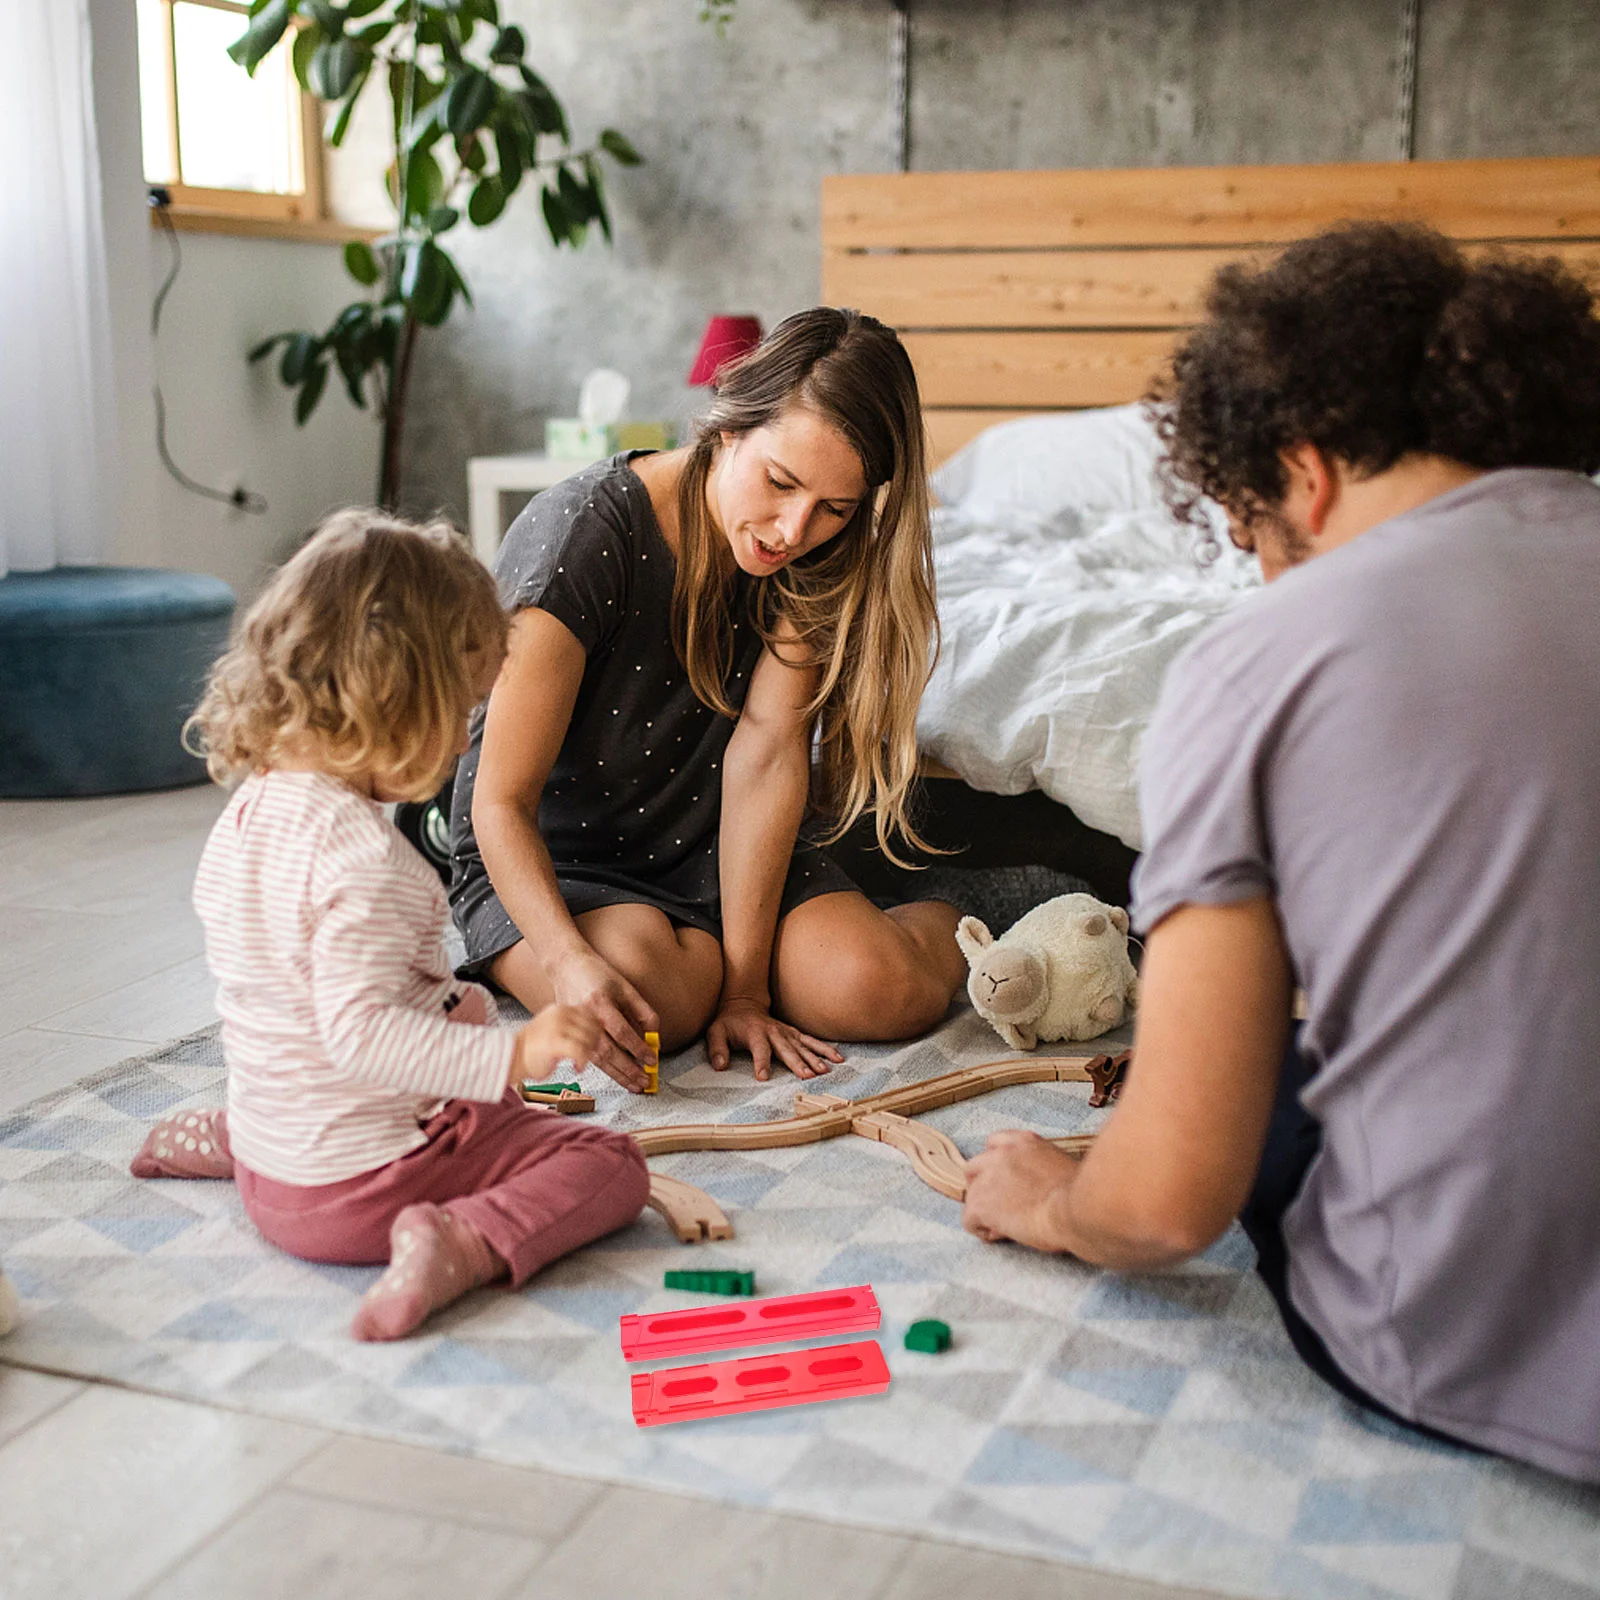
point(1378, 778)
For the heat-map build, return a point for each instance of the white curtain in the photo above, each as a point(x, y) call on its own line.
point(55, 337)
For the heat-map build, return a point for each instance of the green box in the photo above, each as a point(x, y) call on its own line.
point(928, 1336)
point(572, 439)
point(646, 436)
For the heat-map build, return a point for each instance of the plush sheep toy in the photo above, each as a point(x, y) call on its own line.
point(1061, 972)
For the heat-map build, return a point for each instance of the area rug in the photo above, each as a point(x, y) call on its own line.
point(1157, 1426)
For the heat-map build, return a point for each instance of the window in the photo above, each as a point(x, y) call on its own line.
point(237, 153)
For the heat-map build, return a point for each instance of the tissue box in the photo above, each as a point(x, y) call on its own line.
point(572, 439)
point(646, 436)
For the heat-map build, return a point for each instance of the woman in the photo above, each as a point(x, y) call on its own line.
point(689, 627)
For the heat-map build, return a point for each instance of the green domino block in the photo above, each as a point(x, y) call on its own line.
point(538, 1086)
point(713, 1282)
point(929, 1336)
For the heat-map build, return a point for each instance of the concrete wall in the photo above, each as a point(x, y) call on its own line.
point(227, 423)
point(738, 133)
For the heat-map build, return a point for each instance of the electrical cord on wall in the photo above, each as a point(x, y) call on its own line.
point(240, 498)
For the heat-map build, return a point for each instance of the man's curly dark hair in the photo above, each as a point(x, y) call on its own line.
point(1374, 341)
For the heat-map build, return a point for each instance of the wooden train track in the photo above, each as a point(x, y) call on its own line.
point(888, 1118)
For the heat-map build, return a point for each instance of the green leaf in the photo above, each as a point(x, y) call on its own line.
point(340, 125)
point(442, 219)
point(267, 346)
point(426, 284)
point(334, 68)
point(548, 117)
point(424, 90)
point(361, 263)
point(471, 154)
point(311, 392)
point(424, 184)
point(354, 365)
point(374, 33)
point(306, 41)
point(347, 324)
point(555, 217)
point(484, 10)
point(330, 18)
point(300, 350)
point(620, 148)
point(487, 202)
point(597, 196)
point(508, 147)
point(510, 46)
point(265, 30)
point(574, 195)
point(364, 8)
point(455, 276)
point(472, 97)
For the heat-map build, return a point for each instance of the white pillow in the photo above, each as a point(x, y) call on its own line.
point(1096, 463)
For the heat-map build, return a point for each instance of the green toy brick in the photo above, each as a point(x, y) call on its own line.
point(929, 1336)
point(713, 1282)
point(539, 1086)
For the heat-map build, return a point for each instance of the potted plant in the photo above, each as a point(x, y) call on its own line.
point(473, 122)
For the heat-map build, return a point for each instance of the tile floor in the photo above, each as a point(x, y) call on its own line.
point(107, 1493)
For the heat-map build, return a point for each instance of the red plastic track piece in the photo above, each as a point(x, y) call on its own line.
point(757, 1383)
point(785, 1316)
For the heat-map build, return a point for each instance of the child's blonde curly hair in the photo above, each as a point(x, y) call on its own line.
point(362, 655)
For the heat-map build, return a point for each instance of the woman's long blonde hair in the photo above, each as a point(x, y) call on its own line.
point(861, 606)
point(360, 653)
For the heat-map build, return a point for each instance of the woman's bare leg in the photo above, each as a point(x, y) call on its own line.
point(843, 969)
point(677, 970)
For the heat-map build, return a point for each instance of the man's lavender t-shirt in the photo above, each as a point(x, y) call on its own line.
point(1399, 742)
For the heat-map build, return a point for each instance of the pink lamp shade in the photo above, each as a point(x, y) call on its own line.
point(725, 340)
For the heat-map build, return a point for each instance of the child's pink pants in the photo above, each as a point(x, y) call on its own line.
point(536, 1185)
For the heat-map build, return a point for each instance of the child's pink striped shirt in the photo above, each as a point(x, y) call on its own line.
point(324, 931)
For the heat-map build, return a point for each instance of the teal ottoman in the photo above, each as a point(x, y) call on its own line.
point(99, 667)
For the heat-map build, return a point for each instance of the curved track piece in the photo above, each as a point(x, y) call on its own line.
point(888, 1117)
point(690, 1212)
point(812, 1126)
point(934, 1156)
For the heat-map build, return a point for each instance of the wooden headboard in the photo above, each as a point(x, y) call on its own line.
point(1043, 291)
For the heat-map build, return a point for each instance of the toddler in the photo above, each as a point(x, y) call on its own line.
point(370, 1110)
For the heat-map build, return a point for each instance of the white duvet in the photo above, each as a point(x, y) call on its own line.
point(1056, 635)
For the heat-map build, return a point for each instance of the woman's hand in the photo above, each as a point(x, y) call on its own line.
point(1015, 1189)
point(587, 980)
point(746, 1025)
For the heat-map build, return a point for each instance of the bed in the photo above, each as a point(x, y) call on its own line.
point(1037, 307)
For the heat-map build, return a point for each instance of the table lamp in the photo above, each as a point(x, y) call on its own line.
point(725, 340)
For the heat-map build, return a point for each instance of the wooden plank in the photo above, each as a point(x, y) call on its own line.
point(1066, 289)
point(1522, 198)
point(947, 430)
point(1025, 288)
point(1031, 370)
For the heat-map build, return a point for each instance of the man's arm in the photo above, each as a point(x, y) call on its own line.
point(1178, 1157)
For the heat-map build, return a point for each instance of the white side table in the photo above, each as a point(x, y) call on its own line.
point(488, 477)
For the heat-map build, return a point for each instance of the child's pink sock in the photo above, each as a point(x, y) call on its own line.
point(434, 1259)
point(188, 1144)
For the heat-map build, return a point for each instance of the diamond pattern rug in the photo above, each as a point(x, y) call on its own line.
point(1156, 1426)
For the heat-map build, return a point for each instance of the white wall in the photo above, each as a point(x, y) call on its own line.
point(227, 423)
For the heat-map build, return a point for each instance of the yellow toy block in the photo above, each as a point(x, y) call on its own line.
point(653, 1071)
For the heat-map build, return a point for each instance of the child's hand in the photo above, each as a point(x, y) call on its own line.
point(558, 1033)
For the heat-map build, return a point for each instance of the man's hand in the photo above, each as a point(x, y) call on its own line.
point(1016, 1189)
